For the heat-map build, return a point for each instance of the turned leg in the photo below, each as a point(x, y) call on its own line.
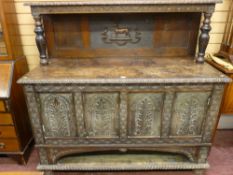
point(40, 39)
point(204, 38)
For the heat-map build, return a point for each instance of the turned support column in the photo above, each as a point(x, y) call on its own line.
point(204, 38)
point(40, 39)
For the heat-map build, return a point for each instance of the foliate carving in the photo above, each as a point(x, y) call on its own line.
point(123, 115)
point(57, 114)
point(212, 114)
point(40, 40)
point(130, 141)
point(79, 115)
point(43, 156)
point(189, 112)
point(144, 117)
point(34, 113)
point(203, 154)
point(145, 114)
point(120, 35)
point(204, 37)
point(102, 114)
point(167, 113)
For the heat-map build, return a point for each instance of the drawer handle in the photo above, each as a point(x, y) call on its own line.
point(2, 145)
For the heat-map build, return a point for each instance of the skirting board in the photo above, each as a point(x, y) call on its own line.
point(226, 122)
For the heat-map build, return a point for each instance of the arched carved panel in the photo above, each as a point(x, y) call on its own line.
point(57, 115)
point(145, 114)
point(101, 114)
point(188, 113)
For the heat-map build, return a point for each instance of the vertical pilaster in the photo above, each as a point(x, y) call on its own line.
point(40, 39)
point(123, 115)
point(204, 37)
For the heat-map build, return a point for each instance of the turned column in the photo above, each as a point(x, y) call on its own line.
point(40, 39)
point(204, 38)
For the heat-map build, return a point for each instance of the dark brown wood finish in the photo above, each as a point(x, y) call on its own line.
point(121, 82)
point(90, 46)
point(160, 36)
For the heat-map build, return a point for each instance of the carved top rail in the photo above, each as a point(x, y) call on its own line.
point(123, 6)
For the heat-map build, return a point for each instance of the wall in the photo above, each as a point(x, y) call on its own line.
point(26, 27)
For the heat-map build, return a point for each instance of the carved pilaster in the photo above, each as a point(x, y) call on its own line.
point(40, 40)
point(204, 38)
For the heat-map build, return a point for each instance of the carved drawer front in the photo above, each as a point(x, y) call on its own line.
point(57, 114)
point(101, 114)
point(189, 111)
point(145, 110)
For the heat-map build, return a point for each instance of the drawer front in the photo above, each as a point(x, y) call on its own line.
point(2, 106)
point(7, 132)
point(6, 119)
point(9, 145)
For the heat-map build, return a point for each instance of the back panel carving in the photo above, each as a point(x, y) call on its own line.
point(121, 35)
point(101, 114)
point(145, 114)
point(188, 114)
point(57, 115)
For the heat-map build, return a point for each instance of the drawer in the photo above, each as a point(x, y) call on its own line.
point(2, 106)
point(6, 119)
point(7, 132)
point(8, 145)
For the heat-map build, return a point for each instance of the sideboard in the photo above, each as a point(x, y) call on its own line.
point(120, 86)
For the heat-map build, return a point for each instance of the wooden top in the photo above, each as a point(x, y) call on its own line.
point(6, 73)
point(124, 71)
point(122, 2)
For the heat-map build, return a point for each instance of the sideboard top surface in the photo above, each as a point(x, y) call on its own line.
point(127, 70)
point(121, 2)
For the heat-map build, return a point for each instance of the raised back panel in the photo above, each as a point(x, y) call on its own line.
point(121, 35)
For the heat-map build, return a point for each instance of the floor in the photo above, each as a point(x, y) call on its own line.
point(220, 160)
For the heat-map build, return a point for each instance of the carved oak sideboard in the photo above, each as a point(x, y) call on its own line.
point(119, 86)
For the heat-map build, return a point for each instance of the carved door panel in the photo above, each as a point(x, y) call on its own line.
point(57, 114)
point(101, 114)
point(145, 110)
point(189, 111)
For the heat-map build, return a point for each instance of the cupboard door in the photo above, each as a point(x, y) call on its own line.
point(189, 111)
point(145, 110)
point(57, 114)
point(101, 114)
